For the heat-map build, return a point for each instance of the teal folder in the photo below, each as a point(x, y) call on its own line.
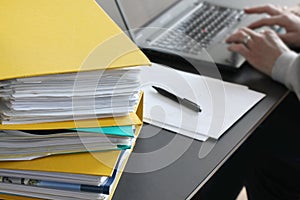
point(126, 131)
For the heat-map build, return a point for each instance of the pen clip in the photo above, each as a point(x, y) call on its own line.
point(190, 104)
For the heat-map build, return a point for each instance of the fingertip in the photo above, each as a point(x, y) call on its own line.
point(239, 48)
point(257, 24)
point(255, 9)
point(248, 10)
point(229, 48)
point(230, 39)
point(227, 40)
point(251, 26)
point(246, 29)
point(233, 47)
point(272, 34)
point(269, 32)
point(250, 32)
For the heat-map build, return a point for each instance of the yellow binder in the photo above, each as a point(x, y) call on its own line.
point(61, 36)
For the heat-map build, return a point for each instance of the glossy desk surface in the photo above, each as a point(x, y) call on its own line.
point(189, 172)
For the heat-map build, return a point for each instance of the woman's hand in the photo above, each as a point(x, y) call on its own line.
point(279, 16)
point(260, 49)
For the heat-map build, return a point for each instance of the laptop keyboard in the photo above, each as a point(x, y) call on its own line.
point(197, 31)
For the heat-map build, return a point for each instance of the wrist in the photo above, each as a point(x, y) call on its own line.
point(281, 66)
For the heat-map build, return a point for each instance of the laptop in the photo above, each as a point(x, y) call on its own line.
point(191, 29)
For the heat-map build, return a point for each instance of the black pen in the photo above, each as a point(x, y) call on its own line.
point(185, 102)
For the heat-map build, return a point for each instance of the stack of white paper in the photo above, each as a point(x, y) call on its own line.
point(62, 97)
point(222, 103)
point(28, 145)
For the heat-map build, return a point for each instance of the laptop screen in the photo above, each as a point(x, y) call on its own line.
point(144, 11)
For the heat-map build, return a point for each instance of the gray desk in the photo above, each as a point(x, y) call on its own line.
point(181, 179)
point(187, 174)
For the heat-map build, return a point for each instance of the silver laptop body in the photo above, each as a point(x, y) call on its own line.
point(192, 29)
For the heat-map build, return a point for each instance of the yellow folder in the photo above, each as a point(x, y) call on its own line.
point(80, 163)
point(61, 36)
point(13, 197)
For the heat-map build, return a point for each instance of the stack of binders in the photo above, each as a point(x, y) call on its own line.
point(71, 107)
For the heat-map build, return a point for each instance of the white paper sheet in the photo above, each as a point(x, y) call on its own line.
point(222, 103)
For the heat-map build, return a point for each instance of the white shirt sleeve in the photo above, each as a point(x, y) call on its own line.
point(286, 70)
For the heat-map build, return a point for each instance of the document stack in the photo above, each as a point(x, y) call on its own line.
point(71, 108)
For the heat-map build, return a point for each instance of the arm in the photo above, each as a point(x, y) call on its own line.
point(268, 54)
point(266, 51)
point(286, 70)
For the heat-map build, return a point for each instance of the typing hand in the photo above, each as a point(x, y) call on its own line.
point(261, 49)
point(282, 17)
